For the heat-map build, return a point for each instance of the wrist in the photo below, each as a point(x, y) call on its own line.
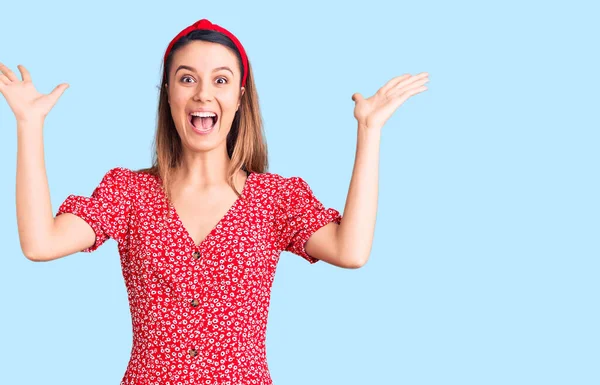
point(28, 124)
point(363, 130)
point(368, 137)
point(29, 120)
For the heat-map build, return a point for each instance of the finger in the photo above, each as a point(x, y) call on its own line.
point(392, 83)
point(401, 90)
point(357, 97)
point(24, 73)
point(406, 82)
point(4, 80)
point(397, 102)
point(8, 73)
point(409, 82)
point(57, 92)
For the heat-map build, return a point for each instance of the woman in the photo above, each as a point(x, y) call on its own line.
point(200, 232)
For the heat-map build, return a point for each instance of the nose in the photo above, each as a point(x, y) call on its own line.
point(203, 92)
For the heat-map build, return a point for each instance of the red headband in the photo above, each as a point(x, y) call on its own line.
point(207, 25)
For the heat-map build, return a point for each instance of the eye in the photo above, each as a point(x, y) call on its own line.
point(186, 77)
point(222, 80)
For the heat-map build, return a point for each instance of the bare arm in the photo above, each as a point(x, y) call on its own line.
point(42, 236)
point(349, 244)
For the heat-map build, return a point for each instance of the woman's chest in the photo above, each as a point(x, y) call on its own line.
point(238, 251)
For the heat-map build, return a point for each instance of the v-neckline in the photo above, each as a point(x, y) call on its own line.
point(211, 233)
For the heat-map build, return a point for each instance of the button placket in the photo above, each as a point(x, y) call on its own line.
point(195, 302)
point(197, 256)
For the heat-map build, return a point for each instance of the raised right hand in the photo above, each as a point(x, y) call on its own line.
point(25, 101)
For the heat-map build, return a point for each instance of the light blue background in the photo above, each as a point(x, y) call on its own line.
point(485, 264)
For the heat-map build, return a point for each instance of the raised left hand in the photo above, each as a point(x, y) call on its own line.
point(373, 112)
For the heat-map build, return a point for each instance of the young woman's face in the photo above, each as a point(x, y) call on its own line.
point(204, 94)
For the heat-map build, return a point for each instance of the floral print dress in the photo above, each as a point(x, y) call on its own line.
point(199, 312)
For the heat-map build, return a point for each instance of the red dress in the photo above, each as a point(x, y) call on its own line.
point(199, 312)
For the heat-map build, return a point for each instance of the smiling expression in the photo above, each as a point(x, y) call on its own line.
point(204, 93)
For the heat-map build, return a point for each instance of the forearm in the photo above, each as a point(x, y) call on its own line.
point(349, 244)
point(34, 209)
point(355, 233)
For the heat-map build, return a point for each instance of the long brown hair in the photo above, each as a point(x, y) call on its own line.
point(246, 145)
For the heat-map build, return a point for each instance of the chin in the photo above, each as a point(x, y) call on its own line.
point(206, 143)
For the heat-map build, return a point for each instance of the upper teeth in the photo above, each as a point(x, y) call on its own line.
point(204, 114)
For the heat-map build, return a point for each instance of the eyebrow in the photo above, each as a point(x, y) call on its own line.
point(184, 67)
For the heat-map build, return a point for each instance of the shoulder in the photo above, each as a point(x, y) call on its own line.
point(119, 173)
point(127, 180)
point(281, 190)
point(119, 177)
point(278, 183)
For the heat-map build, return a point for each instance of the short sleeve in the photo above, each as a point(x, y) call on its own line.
point(301, 214)
point(107, 209)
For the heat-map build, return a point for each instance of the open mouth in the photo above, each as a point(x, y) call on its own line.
point(203, 121)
